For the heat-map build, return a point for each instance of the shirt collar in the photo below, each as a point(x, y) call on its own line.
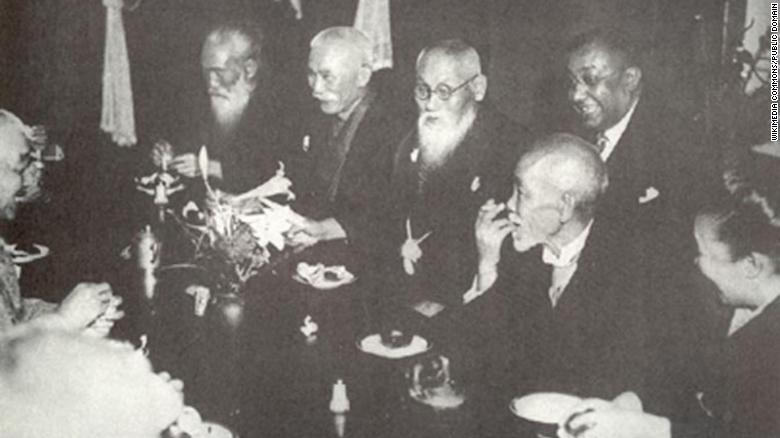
point(569, 253)
point(614, 133)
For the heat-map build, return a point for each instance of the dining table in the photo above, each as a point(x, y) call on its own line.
point(252, 363)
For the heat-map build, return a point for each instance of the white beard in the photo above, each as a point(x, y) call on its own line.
point(228, 106)
point(439, 138)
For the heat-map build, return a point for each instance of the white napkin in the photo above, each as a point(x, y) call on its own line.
point(117, 117)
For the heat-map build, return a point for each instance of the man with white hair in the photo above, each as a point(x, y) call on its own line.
point(89, 306)
point(459, 155)
point(346, 148)
point(241, 131)
point(564, 305)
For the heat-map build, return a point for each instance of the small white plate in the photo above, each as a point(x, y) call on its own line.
point(319, 282)
point(20, 257)
point(372, 344)
point(544, 407)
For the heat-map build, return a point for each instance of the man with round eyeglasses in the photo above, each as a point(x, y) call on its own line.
point(458, 155)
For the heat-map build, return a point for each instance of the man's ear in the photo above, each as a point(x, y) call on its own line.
point(364, 76)
point(566, 207)
point(632, 77)
point(754, 264)
point(479, 87)
point(250, 68)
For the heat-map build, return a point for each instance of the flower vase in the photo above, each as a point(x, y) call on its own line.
point(231, 309)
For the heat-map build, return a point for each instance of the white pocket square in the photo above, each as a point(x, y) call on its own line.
point(650, 194)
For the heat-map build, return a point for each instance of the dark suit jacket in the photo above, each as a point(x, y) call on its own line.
point(364, 178)
point(480, 168)
point(591, 343)
point(659, 151)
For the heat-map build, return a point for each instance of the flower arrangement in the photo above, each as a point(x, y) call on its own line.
point(236, 237)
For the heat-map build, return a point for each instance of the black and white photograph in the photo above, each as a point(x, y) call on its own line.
point(389, 219)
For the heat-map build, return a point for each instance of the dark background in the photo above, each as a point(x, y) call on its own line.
point(51, 57)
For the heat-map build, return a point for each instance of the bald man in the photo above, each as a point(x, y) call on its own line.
point(345, 150)
point(242, 128)
point(89, 307)
point(459, 155)
point(555, 307)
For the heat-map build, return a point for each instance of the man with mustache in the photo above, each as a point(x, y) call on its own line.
point(459, 155)
point(241, 130)
point(345, 151)
point(557, 306)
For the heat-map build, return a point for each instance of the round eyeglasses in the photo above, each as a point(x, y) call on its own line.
point(443, 91)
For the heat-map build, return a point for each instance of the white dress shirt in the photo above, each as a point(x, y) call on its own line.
point(611, 136)
point(564, 264)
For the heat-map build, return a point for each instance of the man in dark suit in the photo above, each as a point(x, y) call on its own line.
point(659, 176)
point(562, 311)
point(241, 131)
point(344, 163)
point(651, 154)
point(459, 155)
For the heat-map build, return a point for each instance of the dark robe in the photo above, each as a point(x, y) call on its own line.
point(249, 155)
point(352, 194)
point(446, 205)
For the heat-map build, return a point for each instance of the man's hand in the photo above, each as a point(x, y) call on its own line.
point(162, 151)
point(617, 423)
point(490, 233)
point(620, 418)
point(187, 165)
point(102, 326)
point(84, 304)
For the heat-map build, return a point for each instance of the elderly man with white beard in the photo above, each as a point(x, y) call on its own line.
point(241, 130)
point(459, 155)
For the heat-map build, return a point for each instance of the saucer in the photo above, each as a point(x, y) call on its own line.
point(544, 407)
point(20, 256)
point(372, 344)
point(315, 276)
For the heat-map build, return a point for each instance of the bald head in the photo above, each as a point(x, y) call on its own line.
point(463, 57)
point(340, 60)
point(571, 166)
point(234, 45)
point(14, 150)
point(348, 39)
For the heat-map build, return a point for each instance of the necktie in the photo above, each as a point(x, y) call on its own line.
point(601, 142)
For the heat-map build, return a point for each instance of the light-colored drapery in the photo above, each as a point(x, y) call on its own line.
point(117, 118)
point(373, 19)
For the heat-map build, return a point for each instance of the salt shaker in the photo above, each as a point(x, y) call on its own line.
point(339, 403)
